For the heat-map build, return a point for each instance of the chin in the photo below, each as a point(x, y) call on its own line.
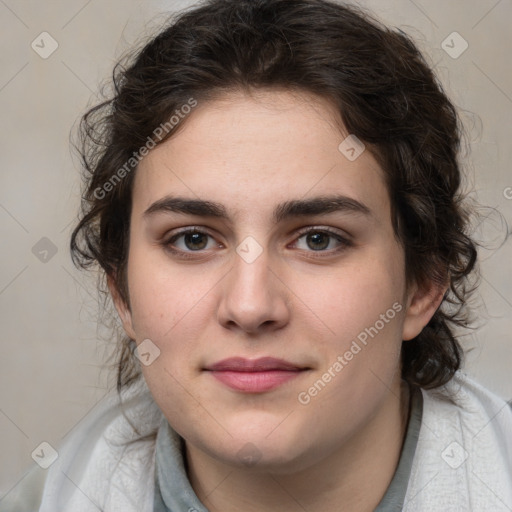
point(259, 456)
point(260, 444)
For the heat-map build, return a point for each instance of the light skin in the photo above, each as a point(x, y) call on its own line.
point(304, 299)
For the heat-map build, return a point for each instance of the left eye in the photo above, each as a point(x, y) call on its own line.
point(318, 240)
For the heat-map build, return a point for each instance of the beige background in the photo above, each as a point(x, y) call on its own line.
point(51, 354)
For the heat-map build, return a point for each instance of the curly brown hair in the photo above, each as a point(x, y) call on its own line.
point(386, 93)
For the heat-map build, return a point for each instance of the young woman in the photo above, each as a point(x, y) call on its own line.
point(273, 196)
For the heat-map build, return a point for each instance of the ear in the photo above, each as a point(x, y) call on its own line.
point(423, 303)
point(122, 309)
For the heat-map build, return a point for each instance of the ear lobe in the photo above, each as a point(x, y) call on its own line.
point(423, 304)
point(122, 309)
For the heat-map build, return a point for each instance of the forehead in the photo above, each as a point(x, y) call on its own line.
point(250, 152)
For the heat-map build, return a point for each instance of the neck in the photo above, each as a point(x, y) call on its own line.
point(355, 477)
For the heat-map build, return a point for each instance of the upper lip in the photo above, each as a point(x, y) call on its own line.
point(240, 364)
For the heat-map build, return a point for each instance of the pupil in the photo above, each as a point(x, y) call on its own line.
point(317, 239)
point(194, 239)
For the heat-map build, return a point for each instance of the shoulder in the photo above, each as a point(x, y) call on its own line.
point(463, 459)
point(471, 404)
point(107, 461)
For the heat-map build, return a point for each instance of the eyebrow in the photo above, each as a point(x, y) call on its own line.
point(289, 209)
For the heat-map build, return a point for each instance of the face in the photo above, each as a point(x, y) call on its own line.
point(264, 269)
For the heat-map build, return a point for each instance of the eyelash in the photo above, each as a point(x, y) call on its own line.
point(345, 243)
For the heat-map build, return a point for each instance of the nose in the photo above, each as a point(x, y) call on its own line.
point(254, 299)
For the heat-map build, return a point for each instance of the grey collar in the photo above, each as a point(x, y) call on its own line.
point(177, 495)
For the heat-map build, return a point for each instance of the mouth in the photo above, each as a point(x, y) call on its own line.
point(255, 376)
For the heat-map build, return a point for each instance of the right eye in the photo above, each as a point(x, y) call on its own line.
point(189, 240)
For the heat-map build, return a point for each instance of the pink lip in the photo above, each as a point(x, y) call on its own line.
point(254, 376)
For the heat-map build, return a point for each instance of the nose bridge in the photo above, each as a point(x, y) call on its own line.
point(251, 294)
point(251, 275)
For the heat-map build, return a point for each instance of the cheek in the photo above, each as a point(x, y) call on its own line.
point(163, 296)
point(362, 306)
point(360, 362)
point(355, 296)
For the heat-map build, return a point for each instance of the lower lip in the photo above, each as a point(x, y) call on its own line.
point(255, 382)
